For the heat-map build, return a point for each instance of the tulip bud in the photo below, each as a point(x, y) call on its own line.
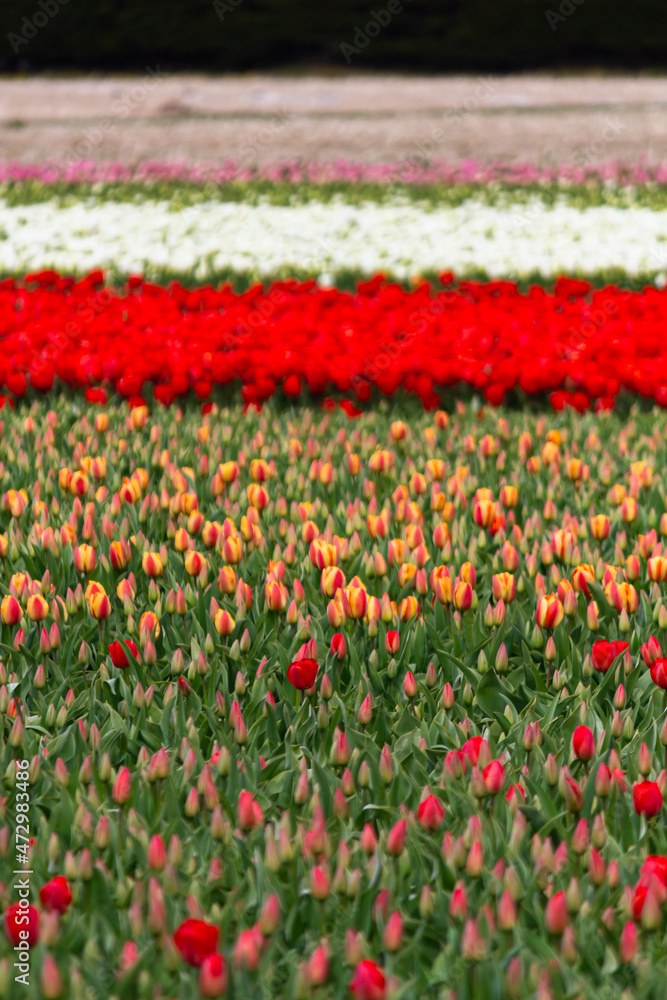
point(644, 763)
point(556, 913)
point(270, 916)
point(393, 932)
point(628, 942)
point(650, 916)
point(51, 980)
point(551, 771)
point(397, 837)
point(475, 860)
point(448, 698)
point(502, 659)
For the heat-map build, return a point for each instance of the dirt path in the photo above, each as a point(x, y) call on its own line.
point(255, 118)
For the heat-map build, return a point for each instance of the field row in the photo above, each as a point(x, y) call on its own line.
point(576, 345)
point(325, 239)
point(297, 706)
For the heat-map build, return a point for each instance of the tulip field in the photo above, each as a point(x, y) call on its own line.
point(333, 620)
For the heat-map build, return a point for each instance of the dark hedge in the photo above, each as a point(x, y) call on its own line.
point(419, 35)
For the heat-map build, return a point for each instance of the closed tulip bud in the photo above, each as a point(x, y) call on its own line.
point(613, 874)
point(528, 738)
point(397, 837)
point(122, 786)
point(326, 688)
point(493, 776)
point(475, 860)
point(50, 978)
point(617, 725)
point(386, 765)
point(410, 685)
point(240, 731)
point(269, 919)
point(365, 713)
point(583, 743)
point(628, 942)
point(426, 902)
point(60, 773)
point(507, 911)
point(596, 868)
point(644, 763)
point(458, 904)
point(340, 754)
point(574, 798)
point(368, 840)
point(556, 917)
point(650, 914)
point(102, 833)
point(191, 803)
point(301, 791)
point(393, 932)
point(447, 699)
point(320, 884)
point(15, 738)
point(603, 781)
point(551, 771)
point(364, 775)
point(157, 853)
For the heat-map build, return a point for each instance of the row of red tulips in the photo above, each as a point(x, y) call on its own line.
point(579, 345)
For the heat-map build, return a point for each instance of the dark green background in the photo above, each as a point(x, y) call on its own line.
point(428, 35)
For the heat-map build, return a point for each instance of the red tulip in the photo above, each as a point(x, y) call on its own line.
point(397, 837)
point(22, 924)
point(556, 913)
point(659, 672)
point(320, 883)
point(56, 894)
point(392, 642)
point(604, 653)
point(628, 942)
point(247, 950)
point(302, 673)
point(493, 777)
point(213, 976)
point(368, 982)
point(647, 798)
point(249, 812)
point(458, 904)
point(430, 813)
point(195, 939)
point(583, 743)
point(472, 748)
point(118, 654)
point(650, 651)
point(122, 786)
point(656, 865)
point(338, 646)
point(393, 932)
